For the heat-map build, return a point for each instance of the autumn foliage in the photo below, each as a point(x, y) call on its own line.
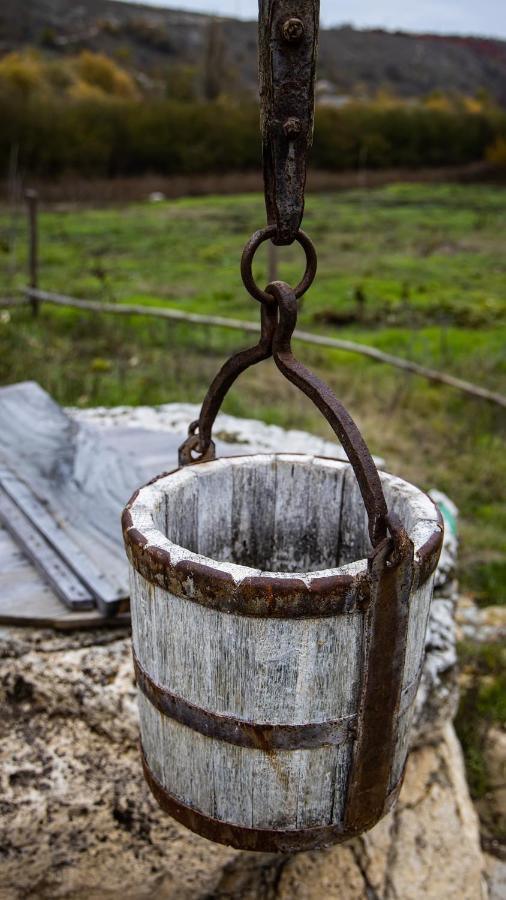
point(87, 114)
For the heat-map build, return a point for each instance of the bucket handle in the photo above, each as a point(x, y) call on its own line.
point(278, 322)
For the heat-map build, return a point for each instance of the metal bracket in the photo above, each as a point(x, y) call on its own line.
point(288, 38)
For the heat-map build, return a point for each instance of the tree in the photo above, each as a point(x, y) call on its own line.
point(102, 73)
point(214, 61)
point(21, 74)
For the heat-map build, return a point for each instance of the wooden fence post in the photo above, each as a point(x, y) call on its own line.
point(32, 199)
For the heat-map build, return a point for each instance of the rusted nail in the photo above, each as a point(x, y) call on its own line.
point(293, 30)
point(292, 127)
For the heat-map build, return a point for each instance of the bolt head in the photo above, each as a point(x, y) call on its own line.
point(293, 30)
point(292, 127)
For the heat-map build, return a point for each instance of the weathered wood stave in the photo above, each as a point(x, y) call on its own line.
point(293, 664)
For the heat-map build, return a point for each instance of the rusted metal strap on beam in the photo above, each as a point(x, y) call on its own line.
point(236, 731)
point(385, 636)
point(288, 38)
point(70, 572)
point(266, 840)
point(55, 571)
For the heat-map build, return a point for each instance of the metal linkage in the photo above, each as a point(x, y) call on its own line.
point(264, 234)
point(279, 318)
point(288, 38)
point(199, 447)
point(288, 31)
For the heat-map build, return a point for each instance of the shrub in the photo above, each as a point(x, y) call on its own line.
point(106, 76)
point(496, 153)
point(21, 75)
point(89, 119)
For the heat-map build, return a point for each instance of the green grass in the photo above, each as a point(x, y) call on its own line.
point(482, 705)
point(428, 262)
point(487, 580)
point(430, 252)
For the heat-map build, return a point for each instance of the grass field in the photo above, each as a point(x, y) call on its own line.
point(417, 270)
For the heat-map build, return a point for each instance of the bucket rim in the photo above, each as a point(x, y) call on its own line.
point(243, 590)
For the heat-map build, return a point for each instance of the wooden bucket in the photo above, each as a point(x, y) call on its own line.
point(277, 658)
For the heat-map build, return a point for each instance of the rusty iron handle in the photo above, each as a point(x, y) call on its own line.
point(288, 39)
point(278, 323)
point(202, 444)
point(335, 413)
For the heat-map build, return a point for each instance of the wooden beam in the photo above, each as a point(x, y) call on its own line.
point(129, 309)
point(72, 574)
point(48, 563)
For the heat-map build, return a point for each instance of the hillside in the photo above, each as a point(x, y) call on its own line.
point(151, 41)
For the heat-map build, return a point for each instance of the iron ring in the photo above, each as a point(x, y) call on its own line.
point(264, 234)
point(190, 453)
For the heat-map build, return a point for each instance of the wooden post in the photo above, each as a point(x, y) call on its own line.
point(32, 199)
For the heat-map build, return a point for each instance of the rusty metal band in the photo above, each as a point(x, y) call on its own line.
point(236, 731)
point(383, 659)
point(428, 555)
point(260, 596)
point(267, 840)
point(265, 597)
